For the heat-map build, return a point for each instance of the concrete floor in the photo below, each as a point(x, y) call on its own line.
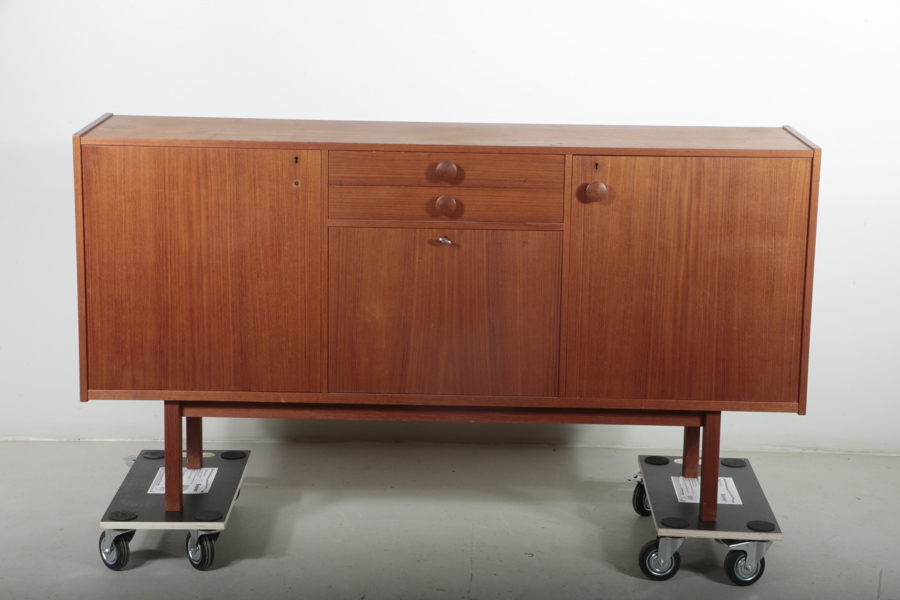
point(361, 521)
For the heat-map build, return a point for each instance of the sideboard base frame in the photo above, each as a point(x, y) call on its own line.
point(702, 431)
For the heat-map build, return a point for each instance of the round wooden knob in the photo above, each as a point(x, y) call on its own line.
point(596, 191)
point(445, 205)
point(446, 171)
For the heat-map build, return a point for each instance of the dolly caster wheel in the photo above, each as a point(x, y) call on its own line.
point(114, 552)
point(201, 550)
point(639, 500)
point(655, 568)
point(739, 572)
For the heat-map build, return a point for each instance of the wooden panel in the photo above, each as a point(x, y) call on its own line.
point(95, 123)
point(412, 315)
point(449, 413)
point(445, 224)
point(472, 204)
point(473, 170)
point(688, 280)
point(438, 400)
point(79, 253)
point(201, 268)
point(810, 264)
point(605, 356)
point(455, 137)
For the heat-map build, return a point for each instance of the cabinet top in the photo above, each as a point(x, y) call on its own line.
point(581, 139)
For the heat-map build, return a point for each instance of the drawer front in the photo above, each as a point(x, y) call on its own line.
point(506, 205)
point(457, 169)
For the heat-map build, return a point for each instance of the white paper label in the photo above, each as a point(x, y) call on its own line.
point(688, 490)
point(196, 481)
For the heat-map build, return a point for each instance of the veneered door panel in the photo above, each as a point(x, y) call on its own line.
point(688, 278)
point(201, 268)
point(411, 314)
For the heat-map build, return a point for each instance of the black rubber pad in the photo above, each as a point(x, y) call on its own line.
point(674, 523)
point(122, 515)
point(208, 515)
point(233, 455)
point(763, 526)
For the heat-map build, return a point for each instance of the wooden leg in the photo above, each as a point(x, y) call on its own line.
point(691, 453)
point(709, 482)
point(173, 456)
point(194, 442)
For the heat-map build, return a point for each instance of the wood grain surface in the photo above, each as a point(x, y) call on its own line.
point(430, 137)
point(215, 264)
point(202, 268)
point(413, 315)
point(689, 279)
point(503, 205)
point(533, 171)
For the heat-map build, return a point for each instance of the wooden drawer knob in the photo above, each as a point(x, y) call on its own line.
point(446, 171)
point(596, 191)
point(445, 205)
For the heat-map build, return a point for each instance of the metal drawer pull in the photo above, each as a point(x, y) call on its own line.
point(445, 240)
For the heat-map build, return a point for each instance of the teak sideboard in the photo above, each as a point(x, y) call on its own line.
point(459, 272)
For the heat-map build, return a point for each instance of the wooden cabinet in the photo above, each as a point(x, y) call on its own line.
point(518, 273)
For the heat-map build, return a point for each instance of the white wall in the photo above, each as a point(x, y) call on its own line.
point(829, 69)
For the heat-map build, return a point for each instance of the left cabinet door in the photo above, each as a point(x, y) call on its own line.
point(202, 268)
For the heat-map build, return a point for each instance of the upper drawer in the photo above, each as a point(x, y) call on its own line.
point(546, 171)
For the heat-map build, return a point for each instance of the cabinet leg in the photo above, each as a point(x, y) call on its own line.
point(173, 433)
point(690, 455)
point(709, 481)
point(194, 432)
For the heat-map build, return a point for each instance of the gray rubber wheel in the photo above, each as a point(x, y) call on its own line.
point(202, 554)
point(652, 567)
point(117, 557)
point(737, 571)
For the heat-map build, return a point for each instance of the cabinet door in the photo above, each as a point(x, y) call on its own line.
point(411, 314)
point(687, 280)
point(202, 269)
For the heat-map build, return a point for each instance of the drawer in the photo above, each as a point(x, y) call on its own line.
point(508, 205)
point(462, 169)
